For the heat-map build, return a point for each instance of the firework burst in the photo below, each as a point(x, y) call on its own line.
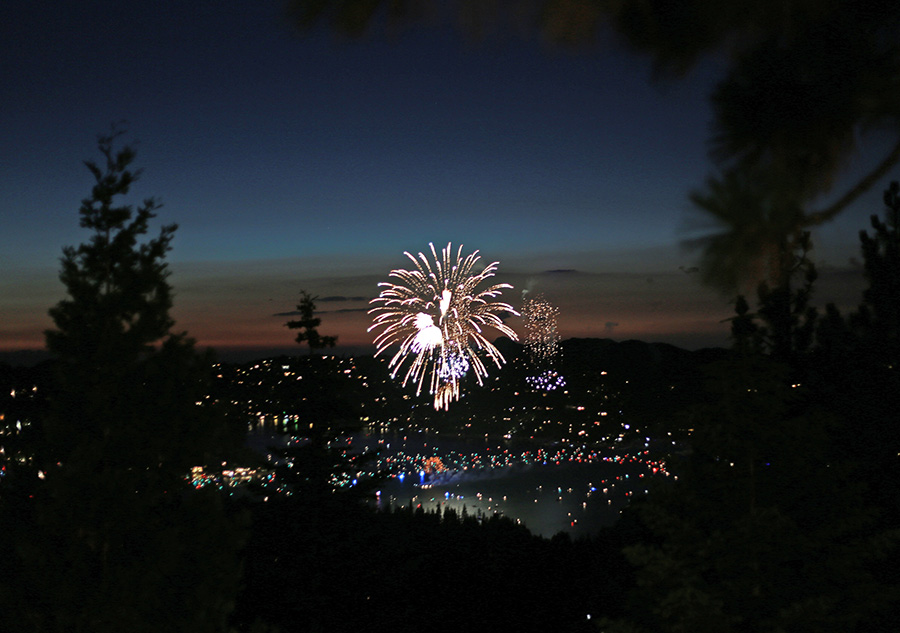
point(436, 314)
point(542, 343)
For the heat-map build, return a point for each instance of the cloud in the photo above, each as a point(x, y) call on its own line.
point(334, 298)
point(297, 312)
point(344, 310)
point(608, 327)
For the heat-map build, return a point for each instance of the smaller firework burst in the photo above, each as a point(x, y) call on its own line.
point(542, 343)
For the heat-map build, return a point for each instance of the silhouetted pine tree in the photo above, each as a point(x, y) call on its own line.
point(879, 315)
point(856, 366)
point(115, 538)
point(784, 323)
point(308, 325)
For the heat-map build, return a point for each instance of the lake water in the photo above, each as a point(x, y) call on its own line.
point(575, 498)
point(548, 488)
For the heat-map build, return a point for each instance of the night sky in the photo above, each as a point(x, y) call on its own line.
point(311, 162)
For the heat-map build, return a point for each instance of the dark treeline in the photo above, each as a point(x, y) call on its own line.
point(786, 510)
point(334, 566)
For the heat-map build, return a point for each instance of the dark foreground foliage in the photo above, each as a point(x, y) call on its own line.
point(335, 566)
point(785, 515)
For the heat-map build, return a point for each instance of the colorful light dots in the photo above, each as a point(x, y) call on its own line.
point(549, 380)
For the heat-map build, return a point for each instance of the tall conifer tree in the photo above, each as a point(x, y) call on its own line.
point(116, 539)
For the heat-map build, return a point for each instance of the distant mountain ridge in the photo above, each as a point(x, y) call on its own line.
point(613, 355)
point(24, 357)
point(622, 357)
point(633, 354)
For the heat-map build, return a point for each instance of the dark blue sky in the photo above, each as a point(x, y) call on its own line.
point(311, 162)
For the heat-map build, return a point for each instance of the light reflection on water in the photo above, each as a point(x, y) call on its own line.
point(546, 498)
point(577, 498)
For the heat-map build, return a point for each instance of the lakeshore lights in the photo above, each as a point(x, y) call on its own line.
point(436, 313)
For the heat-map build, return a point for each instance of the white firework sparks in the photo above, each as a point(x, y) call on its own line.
point(542, 342)
point(429, 335)
point(436, 314)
